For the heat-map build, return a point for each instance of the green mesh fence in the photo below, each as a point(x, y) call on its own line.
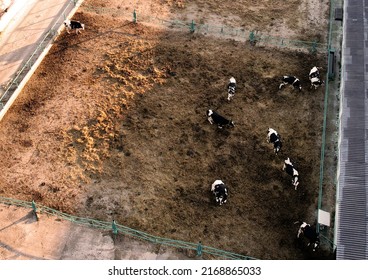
point(116, 229)
point(268, 40)
point(324, 125)
point(240, 34)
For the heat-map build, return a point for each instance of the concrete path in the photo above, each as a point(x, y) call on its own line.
point(22, 27)
point(352, 200)
point(22, 237)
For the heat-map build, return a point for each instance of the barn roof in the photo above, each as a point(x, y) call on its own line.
point(352, 207)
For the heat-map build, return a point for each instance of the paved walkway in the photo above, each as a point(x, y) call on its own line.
point(352, 233)
point(22, 27)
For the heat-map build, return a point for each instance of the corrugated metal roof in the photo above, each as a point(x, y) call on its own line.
point(352, 216)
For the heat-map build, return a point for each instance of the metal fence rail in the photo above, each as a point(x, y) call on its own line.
point(116, 229)
point(277, 41)
point(329, 76)
point(13, 85)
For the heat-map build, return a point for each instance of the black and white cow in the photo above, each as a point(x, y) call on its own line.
point(310, 233)
point(274, 138)
point(215, 118)
point(219, 189)
point(289, 168)
point(73, 25)
point(316, 82)
point(231, 88)
point(315, 78)
point(290, 80)
point(314, 72)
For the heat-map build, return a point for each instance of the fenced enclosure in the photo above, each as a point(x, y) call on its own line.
point(116, 229)
point(252, 37)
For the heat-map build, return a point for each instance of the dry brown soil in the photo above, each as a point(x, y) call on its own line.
point(112, 126)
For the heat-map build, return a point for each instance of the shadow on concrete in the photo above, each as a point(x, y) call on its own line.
point(17, 54)
point(27, 219)
point(18, 253)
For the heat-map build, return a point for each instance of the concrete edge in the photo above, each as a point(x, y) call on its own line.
point(34, 67)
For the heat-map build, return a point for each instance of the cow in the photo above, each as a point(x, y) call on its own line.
point(316, 82)
point(215, 118)
point(290, 80)
point(73, 25)
point(314, 72)
point(231, 88)
point(274, 138)
point(315, 78)
point(219, 189)
point(311, 234)
point(289, 168)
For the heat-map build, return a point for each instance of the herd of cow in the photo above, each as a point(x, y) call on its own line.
point(219, 189)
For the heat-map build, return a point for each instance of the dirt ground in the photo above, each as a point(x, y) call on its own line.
point(112, 126)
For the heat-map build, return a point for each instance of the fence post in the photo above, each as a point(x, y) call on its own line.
point(252, 38)
point(114, 229)
point(192, 27)
point(314, 47)
point(34, 209)
point(199, 249)
point(134, 16)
